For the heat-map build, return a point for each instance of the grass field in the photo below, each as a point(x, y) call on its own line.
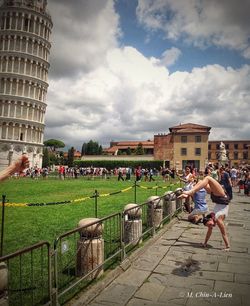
point(27, 225)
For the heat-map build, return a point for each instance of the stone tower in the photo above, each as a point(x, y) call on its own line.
point(25, 29)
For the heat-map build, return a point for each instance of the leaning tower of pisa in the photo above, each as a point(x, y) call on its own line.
point(25, 28)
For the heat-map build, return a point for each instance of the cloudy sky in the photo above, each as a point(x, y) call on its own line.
point(130, 69)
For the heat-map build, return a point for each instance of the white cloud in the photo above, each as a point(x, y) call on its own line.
point(246, 53)
point(102, 92)
point(82, 34)
point(170, 56)
point(223, 23)
point(131, 97)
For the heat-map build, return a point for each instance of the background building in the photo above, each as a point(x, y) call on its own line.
point(24, 52)
point(124, 147)
point(238, 151)
point(186, 144)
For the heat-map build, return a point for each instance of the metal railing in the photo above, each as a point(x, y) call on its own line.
point(29, 275)
point(39, 275)
point(67, 248)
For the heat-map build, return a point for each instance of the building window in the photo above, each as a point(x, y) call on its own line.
point(218, 146)
point(235, 155)
point(227, 146)
point(245, 146)
point(184, 139)
point(183, 151)
point(209, 155)
point(236, 146)
point(198, 138)
point(209, 147)
point(245, 155)
point(197, 151)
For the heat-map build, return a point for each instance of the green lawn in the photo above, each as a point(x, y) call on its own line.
point(27, 225)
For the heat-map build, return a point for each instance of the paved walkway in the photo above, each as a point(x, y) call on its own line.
point(175, 270)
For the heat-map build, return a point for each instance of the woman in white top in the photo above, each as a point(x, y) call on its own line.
point(188, 179)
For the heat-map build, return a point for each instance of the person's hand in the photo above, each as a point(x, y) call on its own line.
point(21, 164)
point(185, 194)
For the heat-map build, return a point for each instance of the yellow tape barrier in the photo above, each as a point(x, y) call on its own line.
point(155, 187)
point(64, 202)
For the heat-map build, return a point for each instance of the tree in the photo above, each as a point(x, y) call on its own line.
point(91, 148)
point(139, 149)
point(54, 144)
point(71, 157)
point(46, 159)
point(129, 152)
point(84, 148)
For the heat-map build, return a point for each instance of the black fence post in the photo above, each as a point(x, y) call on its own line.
point(135, 191)
point(2, 225)
point(156, 189)
point(96, 194)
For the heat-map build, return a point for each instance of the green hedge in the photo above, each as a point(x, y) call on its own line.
point(111, 164)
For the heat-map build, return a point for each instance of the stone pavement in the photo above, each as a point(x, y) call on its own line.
point(175, 270)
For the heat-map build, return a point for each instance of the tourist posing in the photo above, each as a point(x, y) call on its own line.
point(220, 211)
point(200, 206)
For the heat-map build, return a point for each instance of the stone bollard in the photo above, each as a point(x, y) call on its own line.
point(179, 203)
point(169, 206)
point(90, 248)
point(3, 284)
point(155, 211)
point(132, 224)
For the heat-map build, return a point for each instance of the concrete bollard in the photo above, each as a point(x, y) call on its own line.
point(132, 224)
point(90, 248)
point(179, 202)
point(155, 211)
point(3, 284)
point(169, 206)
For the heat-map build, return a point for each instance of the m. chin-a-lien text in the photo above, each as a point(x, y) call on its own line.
point(202, 294)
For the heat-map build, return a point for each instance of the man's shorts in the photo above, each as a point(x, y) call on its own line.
point(220, 210)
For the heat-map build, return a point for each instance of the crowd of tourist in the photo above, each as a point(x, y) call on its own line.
point(228, 176)
point(218, 181)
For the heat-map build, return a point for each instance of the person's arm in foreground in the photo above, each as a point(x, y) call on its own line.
point(18, 166)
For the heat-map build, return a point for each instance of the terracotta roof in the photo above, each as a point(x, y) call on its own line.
point(134, 143)
point(189, 126)
point(111, 150)
point(131, 144)
point(190, 130)
point(76, 154)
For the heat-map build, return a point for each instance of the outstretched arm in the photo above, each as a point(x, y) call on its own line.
point(18, 166)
